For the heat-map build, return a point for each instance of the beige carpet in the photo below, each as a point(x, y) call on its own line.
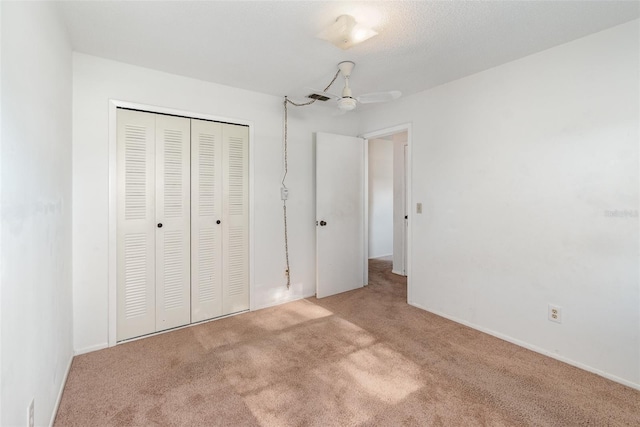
point(360, 358)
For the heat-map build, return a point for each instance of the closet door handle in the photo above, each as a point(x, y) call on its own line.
point(218, 222)
point(159, 225)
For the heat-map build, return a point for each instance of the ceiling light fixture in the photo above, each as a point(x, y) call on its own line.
point(346, 32)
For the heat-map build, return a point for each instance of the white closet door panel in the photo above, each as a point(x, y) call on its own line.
point(235, 226)
point(206, 210)
point(173, 212)
point(135, 252)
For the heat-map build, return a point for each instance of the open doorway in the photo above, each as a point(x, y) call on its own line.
point(342, 211)
point(387, 203)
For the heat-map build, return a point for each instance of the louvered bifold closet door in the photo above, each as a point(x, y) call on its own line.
point(235, 226)
point(135, 252)
point(206, 217)
point(173, 254)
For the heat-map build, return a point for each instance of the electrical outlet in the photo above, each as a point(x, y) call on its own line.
point(284, 193)
point(30, 420)
point(555, 313)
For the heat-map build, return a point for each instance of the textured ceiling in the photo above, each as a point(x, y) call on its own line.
point(271, 46)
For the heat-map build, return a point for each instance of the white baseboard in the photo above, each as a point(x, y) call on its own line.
point(273, 304)
point(399, 273)
point(533, 348)
point(59, 398)
point(96, 347)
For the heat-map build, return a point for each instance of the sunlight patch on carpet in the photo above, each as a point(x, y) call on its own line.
point(349, 390)
point(289, 315)
point(210, 340)
point(381, 372)
point(265, 361)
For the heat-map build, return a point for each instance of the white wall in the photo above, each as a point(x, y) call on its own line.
point(35, 251)
point(517, 168)
point(95, 81)
point(380, 198)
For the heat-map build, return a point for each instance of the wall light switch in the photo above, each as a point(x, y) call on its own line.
point(284, 193)
point(419, 208)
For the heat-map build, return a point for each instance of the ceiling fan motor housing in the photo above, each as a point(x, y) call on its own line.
point(347, 103)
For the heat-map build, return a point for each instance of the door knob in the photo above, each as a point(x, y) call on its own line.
point(323, 223)
point(159, 225)
point(218, 222)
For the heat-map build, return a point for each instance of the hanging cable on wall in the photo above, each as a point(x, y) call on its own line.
point(285, 159)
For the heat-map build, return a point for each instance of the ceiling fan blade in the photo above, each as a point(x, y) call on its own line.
point(369, 98)
point(321, 93)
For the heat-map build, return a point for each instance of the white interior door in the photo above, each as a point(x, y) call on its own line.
point(136, 227)
point(340, 233)
point(206, 217)
point(173, 254)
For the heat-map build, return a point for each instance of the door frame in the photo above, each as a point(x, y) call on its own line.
point(378, 134)
point(114, 104)
point(406, 206)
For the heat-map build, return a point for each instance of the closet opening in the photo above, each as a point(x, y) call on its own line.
point(180, 219)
